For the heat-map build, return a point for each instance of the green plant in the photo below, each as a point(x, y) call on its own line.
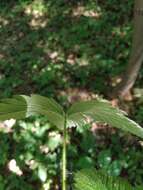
point(77, 115)
point(94, 180)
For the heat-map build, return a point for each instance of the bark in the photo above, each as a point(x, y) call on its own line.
point(136, 58)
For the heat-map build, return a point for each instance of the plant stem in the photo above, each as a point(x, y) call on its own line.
point(64, 157)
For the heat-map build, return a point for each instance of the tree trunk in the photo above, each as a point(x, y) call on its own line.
point(136, 58)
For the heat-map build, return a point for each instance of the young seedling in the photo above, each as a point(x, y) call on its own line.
point(78, 114)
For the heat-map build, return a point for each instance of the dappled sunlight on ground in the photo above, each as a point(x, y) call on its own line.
point(81, 11)
point(66, 40)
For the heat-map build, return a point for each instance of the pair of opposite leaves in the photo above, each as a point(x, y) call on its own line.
point(99, 110)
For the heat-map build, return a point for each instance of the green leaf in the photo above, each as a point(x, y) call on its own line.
point(15, 108)
point(101, 111)
point(85, 162)
point(139, 188)
point(90, 179)
point(115, 168)
point(104, 159)
point(42, 173)
point(54, 141)
point(23, 106)
point(48, 107)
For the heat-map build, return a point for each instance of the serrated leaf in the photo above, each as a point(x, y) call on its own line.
point(48, 107)
point(91, 179)
point(23, 106)
point(102, 111)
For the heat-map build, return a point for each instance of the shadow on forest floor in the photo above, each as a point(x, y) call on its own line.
point(49, 46)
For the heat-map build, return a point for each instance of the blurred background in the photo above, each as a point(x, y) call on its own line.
point(68, 50)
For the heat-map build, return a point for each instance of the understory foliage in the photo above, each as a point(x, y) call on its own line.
point(77, 115)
